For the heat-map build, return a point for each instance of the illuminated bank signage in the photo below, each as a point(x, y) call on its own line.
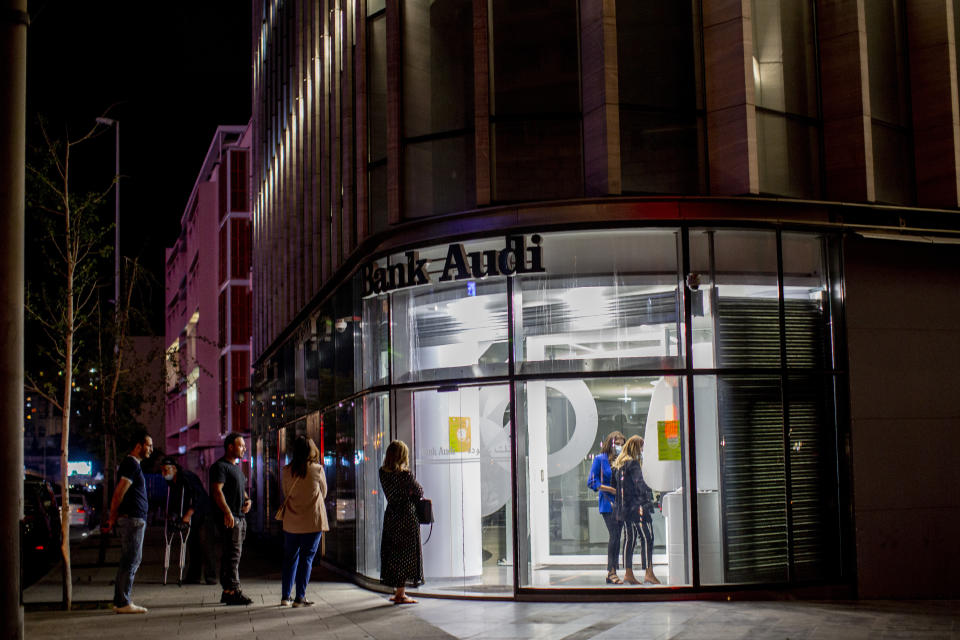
point(517, 256)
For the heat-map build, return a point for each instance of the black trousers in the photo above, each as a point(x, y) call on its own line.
point(232, 541)
point(614, 529)
point(200, 558)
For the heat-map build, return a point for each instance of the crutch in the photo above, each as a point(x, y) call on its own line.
point(184, 529)
point(167, 538)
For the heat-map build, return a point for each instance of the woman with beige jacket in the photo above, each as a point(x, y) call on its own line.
point(304, 518)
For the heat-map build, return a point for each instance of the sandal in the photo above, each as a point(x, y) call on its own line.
point(404, 600)
point(613, 578)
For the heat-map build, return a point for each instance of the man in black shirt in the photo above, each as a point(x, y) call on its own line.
point(228, 492)
point(128, 510)
point(187, 501)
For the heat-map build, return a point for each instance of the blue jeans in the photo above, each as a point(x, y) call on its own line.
point(298, 552)
point(130, 531)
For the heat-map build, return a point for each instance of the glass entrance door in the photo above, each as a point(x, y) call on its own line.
point(461, 451)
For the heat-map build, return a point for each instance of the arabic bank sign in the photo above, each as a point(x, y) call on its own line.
point(517, 256)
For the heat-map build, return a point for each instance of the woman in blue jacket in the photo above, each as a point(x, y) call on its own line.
point(601, 481)
point(633, 506)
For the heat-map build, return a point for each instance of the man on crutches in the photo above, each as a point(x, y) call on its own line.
point(186, 514)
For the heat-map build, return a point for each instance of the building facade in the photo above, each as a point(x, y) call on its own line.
point(501, 231)
point(208, 293)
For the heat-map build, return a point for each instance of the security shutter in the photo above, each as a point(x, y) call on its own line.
point(753, 467)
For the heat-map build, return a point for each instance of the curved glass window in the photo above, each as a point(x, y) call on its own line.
point(508, 363)
point(454, 329)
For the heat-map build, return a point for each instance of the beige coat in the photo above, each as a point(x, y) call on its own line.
point(306, 512)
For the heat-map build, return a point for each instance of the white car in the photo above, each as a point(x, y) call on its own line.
point(79, 510)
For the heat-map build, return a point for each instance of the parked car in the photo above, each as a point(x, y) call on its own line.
point(80, 511)
point(40, 527)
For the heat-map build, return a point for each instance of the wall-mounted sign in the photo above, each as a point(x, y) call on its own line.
point(460, 437)
point(460, 264)
point(668, 439)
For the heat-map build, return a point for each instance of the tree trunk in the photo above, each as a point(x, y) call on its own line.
point(107, 484)
point(64, 471)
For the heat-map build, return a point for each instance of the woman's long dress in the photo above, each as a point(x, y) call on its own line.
point(401, 558)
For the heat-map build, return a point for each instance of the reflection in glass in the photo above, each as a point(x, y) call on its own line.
point(805, 298)
point(373, 426)
point(736, 316)
point(452, 330)
point(565, 423)
point(375, 342)
point(607, 301)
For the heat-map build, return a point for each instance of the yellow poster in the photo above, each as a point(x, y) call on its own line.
point(668, 439)
point(459, 434)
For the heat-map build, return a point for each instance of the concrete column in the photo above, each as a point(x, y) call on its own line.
point(933, 85)
point(845, 91)
point(601, 97)
point(13, 108)
point(730, 97)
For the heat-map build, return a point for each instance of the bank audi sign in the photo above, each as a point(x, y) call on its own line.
point(517, 256)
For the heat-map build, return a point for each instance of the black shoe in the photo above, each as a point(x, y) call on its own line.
point(236, 598)
point(211, 581)
point(224, 597)
point(302, 603)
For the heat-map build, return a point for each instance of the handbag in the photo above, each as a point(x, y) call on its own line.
point(283, 508)
point(424, 508)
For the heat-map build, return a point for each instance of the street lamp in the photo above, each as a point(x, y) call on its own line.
point(110, 122)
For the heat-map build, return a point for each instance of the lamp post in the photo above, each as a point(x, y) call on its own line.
point(110, 122)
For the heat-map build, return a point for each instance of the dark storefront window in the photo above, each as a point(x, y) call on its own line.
point(785, 78)
point(535, 108)
point(892, 128)
point(438, 155)
point(661, 101)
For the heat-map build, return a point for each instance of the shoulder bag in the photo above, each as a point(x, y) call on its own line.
point(283, 508)
point(424, 509)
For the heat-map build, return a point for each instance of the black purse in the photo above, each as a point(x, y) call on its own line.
point(424, 508)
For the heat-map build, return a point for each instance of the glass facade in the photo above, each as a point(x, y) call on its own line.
point(506, 362)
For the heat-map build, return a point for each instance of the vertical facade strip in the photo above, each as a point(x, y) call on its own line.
point(481, 99)
point(933, 84)
point(845, 97)
point(360, 153)
point(730, 98)
point(394, 96)
point(600, 96)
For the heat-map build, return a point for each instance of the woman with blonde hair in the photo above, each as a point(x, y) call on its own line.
point(401, 558)
point(634, 507)
point(304, 519)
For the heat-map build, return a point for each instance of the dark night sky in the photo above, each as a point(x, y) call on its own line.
point(175, 71)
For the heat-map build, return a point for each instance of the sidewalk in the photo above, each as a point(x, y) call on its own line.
point(346, 611)
point(342, 609)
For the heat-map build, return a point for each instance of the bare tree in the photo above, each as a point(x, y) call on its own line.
point(64, 304)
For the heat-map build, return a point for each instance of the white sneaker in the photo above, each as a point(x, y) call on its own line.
point(130, 608)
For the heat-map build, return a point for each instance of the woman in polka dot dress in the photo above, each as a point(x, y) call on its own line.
point(401, 558)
